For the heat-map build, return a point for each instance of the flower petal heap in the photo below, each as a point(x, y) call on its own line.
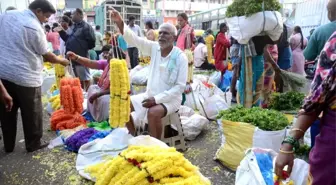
point(147, 165)
point(55, 102)
point(120, 93)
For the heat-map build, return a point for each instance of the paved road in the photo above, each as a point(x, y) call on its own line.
point(57, 166)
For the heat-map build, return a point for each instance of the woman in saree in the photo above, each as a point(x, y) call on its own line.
point(298, 44)
point(221, 48)
point(251, 80)
point(185, 35)
point(98, 104)
point(271, 58)
point(320, 102)
point(209, 42)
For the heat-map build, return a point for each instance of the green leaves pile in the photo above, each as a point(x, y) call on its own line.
point(304, 150)
point(250, 7)
point(268, 120)
point(286, 101)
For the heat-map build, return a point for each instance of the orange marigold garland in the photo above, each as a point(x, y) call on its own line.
point(72, 102)
point(71, 95)
point(61, 120)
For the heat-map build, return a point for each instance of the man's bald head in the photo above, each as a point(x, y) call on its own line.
point(332, 10)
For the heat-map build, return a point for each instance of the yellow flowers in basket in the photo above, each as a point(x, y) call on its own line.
point(152, 165)
point(190, 57)
point(120, 101)
point(144, 61)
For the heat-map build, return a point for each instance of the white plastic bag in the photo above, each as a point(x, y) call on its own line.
point(193, 125)
point(248, 172)
point(212, 105)
point(140, 77)
point(215, 78)
point(244, 28)
point(186, 111)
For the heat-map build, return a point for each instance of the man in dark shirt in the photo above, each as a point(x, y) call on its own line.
point(80, 40)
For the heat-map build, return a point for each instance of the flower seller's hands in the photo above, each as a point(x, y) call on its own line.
point(148, 103)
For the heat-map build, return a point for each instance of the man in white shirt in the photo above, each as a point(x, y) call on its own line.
point(24, 46)
point(200, 56)
point(167, 78)
point(99, 41)
point(133, 52)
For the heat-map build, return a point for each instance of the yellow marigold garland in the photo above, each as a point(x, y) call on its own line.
point(147, 165)
point(59, 74)
point(55, 102)
point(120, 93)
point(190, 65)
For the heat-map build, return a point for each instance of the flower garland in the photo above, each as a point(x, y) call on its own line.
point(71, 95)
point(59, 74)
point(190, 57)
point(147, 165)
point(61, 120)
point(120, 93)
point(144, 61)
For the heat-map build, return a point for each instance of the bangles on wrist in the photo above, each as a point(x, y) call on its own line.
point(298, 129)
point(292, 141)
point(286, 152)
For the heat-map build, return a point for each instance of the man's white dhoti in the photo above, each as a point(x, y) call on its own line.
point(139, 115)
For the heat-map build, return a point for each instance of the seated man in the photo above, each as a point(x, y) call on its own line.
point(201, 56)
point(99, 98)
point(166, 81)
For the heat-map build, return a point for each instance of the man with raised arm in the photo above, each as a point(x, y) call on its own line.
point(166, 81)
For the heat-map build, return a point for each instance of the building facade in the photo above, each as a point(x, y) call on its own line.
point(168, 9)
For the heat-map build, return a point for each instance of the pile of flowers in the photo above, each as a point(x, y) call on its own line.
point(71, 99)
point(61, 120)
point(190, 57)
point(144, 61)
point(59, 74)
point(147, 165)
point(120, 93)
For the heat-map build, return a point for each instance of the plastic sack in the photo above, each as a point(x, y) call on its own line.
point(250, 173)
point(215, 78)
point(47, 83)
point(140, 77)
point(212, 105)
point(238, 137)
point(186, 111)
point(244, 28)
point(193, 125)
point(226, 81)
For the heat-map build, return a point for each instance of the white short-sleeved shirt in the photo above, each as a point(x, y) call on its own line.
point(22, 43)
point(200, 54)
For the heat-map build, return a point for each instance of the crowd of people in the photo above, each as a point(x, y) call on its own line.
point(25, 41)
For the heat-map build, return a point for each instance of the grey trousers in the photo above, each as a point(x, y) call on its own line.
point(28, 99)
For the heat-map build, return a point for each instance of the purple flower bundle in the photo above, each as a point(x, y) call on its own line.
point(81, 137)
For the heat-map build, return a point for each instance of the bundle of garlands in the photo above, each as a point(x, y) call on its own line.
point(190, 65)
point(147, 165)
point(59, 74)
point(144, 61)
point(120, 93)
point(71, 98)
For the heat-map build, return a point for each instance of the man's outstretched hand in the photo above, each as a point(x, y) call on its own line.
point(7, 100)
point(148, 103)
point(115, 15)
